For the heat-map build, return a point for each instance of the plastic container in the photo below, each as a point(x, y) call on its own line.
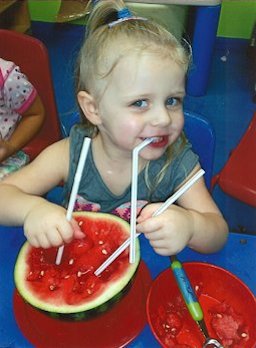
point(227, 303)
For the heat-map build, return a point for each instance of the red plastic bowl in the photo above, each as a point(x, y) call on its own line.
point(227, 303)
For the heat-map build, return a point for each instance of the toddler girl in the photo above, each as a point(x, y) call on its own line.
point(130, 86)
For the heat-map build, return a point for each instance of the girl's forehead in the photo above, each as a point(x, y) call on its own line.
point(132, 64)
point(136, 59)
point(142, 74)
point(136, 62)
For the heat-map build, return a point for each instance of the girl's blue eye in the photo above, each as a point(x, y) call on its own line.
point(140, 103)
point(172, 101)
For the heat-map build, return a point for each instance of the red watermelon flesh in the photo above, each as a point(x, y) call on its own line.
point(72, 286)
point(176, 328)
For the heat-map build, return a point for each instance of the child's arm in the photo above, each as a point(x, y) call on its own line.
point(45, 223)
point(195, 222)
point(29, 125)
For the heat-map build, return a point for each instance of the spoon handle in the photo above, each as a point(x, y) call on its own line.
point(186, 290)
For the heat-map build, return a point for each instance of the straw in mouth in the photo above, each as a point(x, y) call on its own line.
point(134, 190)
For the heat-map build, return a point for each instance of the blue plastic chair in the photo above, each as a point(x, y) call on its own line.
point(201, 134)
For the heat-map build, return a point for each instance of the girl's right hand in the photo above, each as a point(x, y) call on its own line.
point(46, 226)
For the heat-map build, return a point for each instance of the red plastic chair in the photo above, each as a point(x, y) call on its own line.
point(31, 56)
point(238, 176)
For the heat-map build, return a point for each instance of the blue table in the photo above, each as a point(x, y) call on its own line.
point(238, 256)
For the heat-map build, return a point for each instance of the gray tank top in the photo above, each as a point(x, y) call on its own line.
point(94, 195)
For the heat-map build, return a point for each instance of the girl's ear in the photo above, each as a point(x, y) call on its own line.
point(89, 106)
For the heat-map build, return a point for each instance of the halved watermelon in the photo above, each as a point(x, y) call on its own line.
point(71, 290)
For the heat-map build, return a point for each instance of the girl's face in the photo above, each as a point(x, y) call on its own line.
point(143, 98)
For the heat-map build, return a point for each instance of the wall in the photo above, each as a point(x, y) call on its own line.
point(236, 19)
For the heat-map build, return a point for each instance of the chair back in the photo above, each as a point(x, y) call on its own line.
point(200, 133)
point(237, 177)
point(31, 55)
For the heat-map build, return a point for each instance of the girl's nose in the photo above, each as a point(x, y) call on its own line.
point(161, 117)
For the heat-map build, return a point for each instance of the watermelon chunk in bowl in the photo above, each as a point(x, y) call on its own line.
point(71, 290)
point(228, 304)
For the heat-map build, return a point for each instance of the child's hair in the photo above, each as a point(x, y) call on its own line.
point(108, 39)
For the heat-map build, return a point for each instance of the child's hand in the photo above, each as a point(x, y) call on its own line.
point(46, 225)
point(168, 233)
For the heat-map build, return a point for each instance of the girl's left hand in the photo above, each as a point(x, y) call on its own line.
point(169, 232)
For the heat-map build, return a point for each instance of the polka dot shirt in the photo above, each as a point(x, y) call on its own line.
point(16, 96)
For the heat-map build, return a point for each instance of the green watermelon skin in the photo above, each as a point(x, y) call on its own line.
point(71, 290)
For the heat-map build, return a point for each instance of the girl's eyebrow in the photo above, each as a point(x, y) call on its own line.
point(180, 93)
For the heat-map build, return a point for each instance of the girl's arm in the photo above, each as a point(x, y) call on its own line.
point(21, 203)
point(194, 221)
point(29, 125)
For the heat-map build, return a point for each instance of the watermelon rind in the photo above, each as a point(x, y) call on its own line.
point(115, 290)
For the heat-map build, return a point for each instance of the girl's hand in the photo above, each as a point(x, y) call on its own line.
point(46, 226)
point(169, 232)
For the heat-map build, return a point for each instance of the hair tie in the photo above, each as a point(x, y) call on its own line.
point(124, 15)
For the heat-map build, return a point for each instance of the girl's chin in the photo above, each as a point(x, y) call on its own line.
point(152, 154)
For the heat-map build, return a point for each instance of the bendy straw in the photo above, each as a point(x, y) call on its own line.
point(134, 190)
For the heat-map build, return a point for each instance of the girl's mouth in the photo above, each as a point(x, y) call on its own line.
point(161, 141)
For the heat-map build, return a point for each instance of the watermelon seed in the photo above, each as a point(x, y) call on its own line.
point(81, 272)
point(100, 242)
point(244, 335)
point(52, 287)
point(80, 223)
point(42, 273)
point(71, 261)
point(218, 315)
point(104, 251)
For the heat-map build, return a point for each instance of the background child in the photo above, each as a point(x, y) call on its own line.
point(21, 116)
point(130, 86)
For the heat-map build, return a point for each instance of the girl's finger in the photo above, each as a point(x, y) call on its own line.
point(162, 251)
point(55, 239)
point(77, 230)
point(159, 244)
point(33, 241)
point(43, 241)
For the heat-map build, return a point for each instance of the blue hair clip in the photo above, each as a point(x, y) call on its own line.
point(124, 13)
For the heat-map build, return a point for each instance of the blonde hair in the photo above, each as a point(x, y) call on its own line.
point(106, 44)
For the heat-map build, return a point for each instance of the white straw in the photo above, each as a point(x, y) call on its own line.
point(162, 208)
point(72, 199)
point(135, 156)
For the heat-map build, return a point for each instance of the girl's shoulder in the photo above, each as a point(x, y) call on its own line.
point(55, 159)
point(58, 153)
